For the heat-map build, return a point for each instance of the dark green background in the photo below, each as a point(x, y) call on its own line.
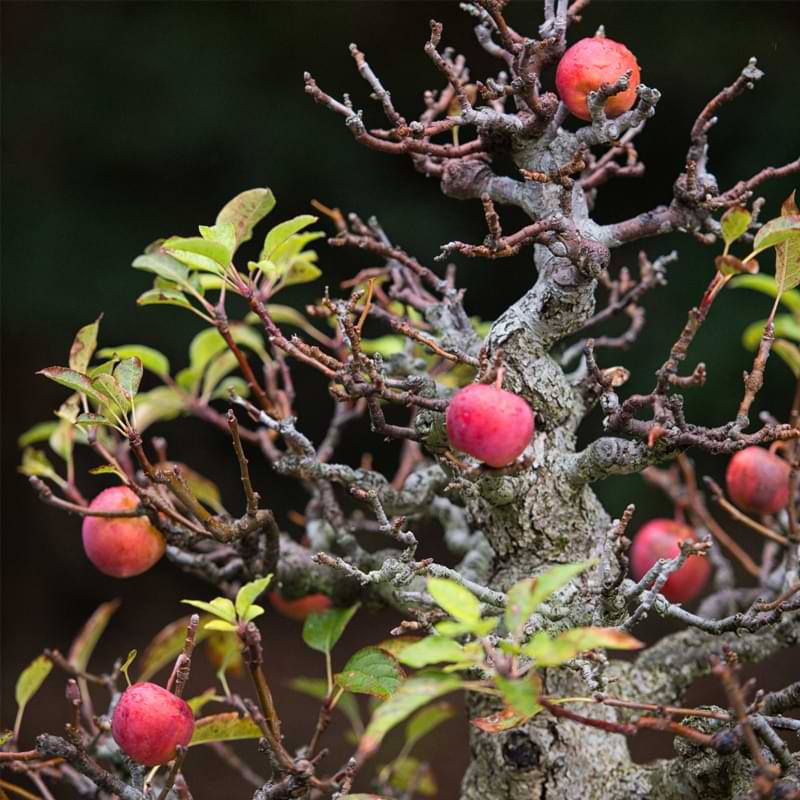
point(123, 122)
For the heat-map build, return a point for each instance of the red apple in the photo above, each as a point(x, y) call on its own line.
point(758, 481)
point(587, 65)
point(489, 423)
point(300, 608)
point(120, 546)
point(660, 538)
point(149, 723)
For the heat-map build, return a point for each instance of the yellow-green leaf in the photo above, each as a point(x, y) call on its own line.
point(220, 607)
point(522, 694)
point(432, 650)
point(167, 645)
point(84, 643)
point(224, 728)
point(80, 354)
point(734, 223)
point(249, 592)
point(413, 694)
point(321, 630)
point(29, 681)
point(245, 211)
point(551, 581)
point(199, 701)
point(371, 671)
point(590, 638)
point(455, 599)
point(789, 353)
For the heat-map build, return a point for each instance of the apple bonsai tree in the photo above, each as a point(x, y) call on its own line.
point(484, 419)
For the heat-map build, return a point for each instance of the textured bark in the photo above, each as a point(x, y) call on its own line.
point(549, 515)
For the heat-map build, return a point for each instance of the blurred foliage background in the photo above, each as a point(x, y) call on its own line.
point(126, 121)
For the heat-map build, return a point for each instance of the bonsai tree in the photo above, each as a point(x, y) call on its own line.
point(485, 419)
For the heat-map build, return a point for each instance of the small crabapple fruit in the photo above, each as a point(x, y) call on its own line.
point(758, 481)
point(587, 65)
point(150, 723)
point(120, 546)
point(300, 608)
point(660, 538)
point(489, 423)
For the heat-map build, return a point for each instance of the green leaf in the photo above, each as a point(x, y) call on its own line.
point(432, 650)
point(286, 315)
point(551, 581)
point(371, 671)
point(109, 387)
point(549, 652)
point(410, 773)
point(151, 359)
point(199, 253)
point(455, 599)
point(591, 638)
point(220, 607)
point(397, 644)
point(522, 694)
point(5, 736)
point(209, 343)
point(76, 381)
point(224, 728)
point(790, 353)
point(128, 374)
point(412, 695)
point(787, 260)
point(223, 234)
point(385, 345)
point(249, 592)
point(167, 645)
point(164, 266)
point(36, 464)
point(83, 346)
point(38, 433)
point(775, 232)
point(253, 612)
point(161, 403)
point(301, 271)
point(786, 327)
point(197, 702)
point(106, 469)
point(426, 720)
point(322, 630)
point(167, 297)
point(293, 246)
point(230, 384)
point(245, 211)
point(318, 689)
point(519, 605)
point(84, 643)
point(107, 367)
point(217, 369)
point(94, 419)
point(29, 682)
point(734, 222)
point(220, 625)
point(454, 629)
point(766, 285)
point(281, 232)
